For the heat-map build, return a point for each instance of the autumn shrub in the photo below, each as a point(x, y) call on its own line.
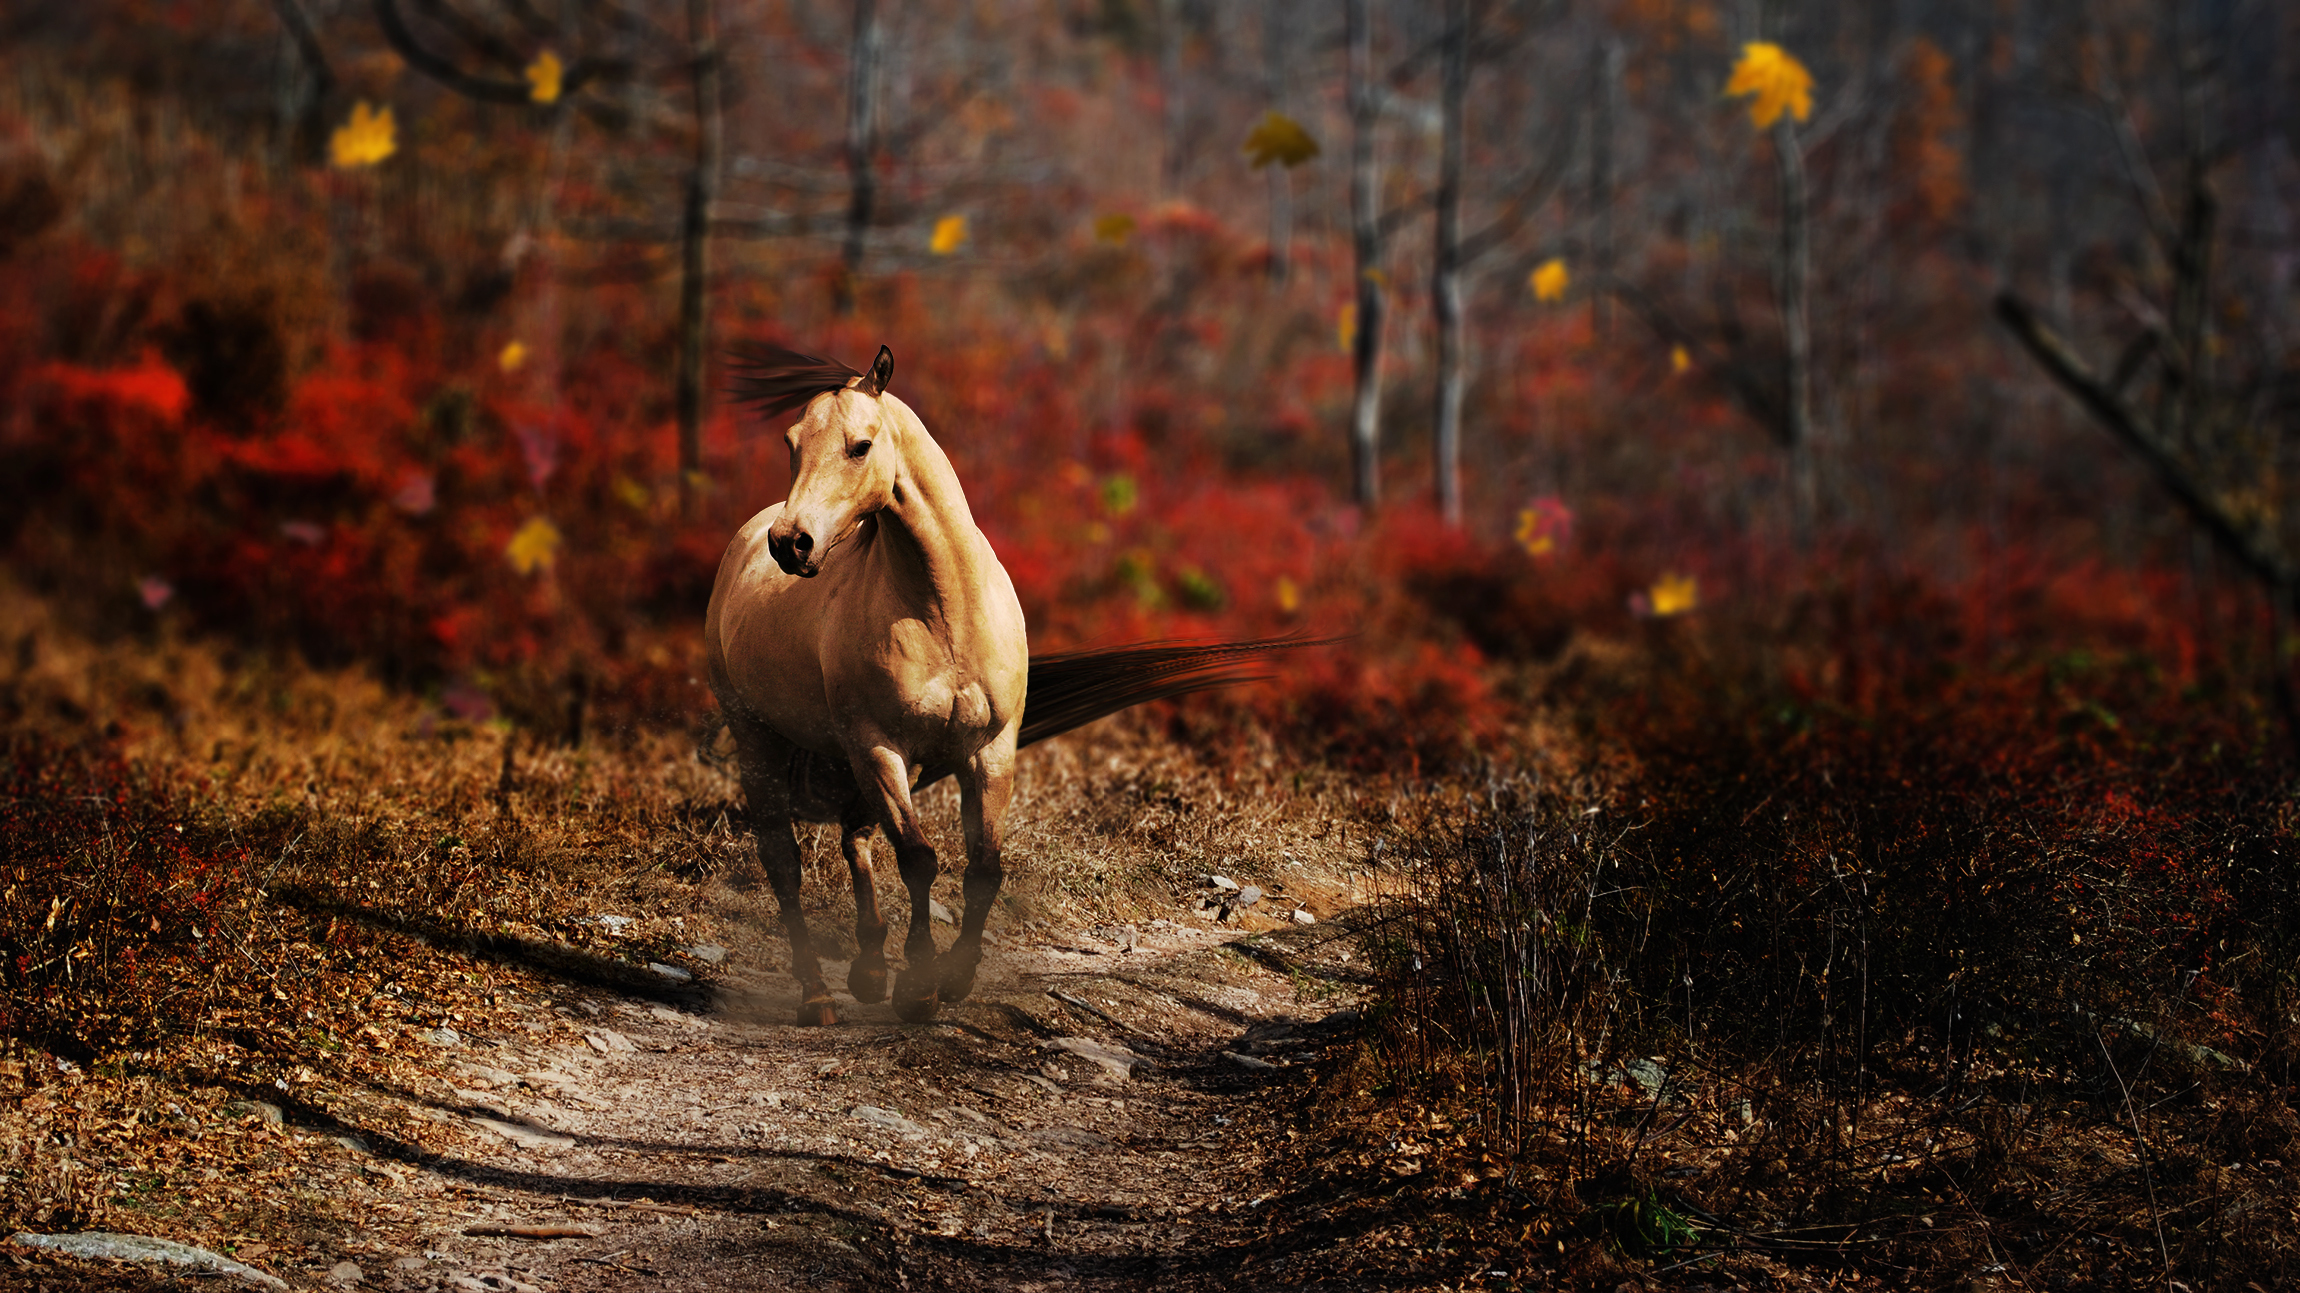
point(1850, 879)
point(118, 906)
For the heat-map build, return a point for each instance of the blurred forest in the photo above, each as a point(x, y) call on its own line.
point(389, 330)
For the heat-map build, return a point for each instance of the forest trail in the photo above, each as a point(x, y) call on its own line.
point(1094, 1117)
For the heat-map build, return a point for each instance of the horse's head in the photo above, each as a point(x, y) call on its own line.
point(841, 472)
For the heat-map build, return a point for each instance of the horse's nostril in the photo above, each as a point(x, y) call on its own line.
point(803, 541)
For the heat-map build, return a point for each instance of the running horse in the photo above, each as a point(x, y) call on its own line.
point(864, 642)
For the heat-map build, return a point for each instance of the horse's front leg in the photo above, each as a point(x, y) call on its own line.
point(766, 768)
point(866, 977)
point(884, 777)
point(985, 787)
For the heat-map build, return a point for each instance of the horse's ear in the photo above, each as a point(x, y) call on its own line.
point(881, 372)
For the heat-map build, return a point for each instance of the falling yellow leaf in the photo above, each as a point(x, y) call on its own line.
point(511, 357)
point(1550, 281)
point(543, 77)
point(1543, 525)
point(1532, 537)
point(1114, 228)
point(1347, 331)
point(1281, 139)
point(368, 138)
point(1289, 596)
point(1775, 80)
point(949, 232)
point(534, 547)
point(634, 495)
point(1679, 361)
point(1674, 595)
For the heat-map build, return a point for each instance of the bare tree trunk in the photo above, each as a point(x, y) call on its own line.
point(1170, 96)
point(862, 142)
point(1796, 429)
point(1276, 33)
point(695, 260)
point(1366, 239)
point(1445, 279)
point(302, 104)
point(1601, 129)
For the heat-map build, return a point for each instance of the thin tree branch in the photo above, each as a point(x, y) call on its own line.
point(2244, 542)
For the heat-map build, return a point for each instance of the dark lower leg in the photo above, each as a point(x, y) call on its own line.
point(815, 994)
point(866, 977)
point(984, 875)
point(916, 992)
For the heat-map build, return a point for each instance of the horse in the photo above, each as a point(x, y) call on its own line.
point(864, 642)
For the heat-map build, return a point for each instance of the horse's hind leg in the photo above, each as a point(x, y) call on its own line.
point(885, 781)
point(766, 765)
point(985, 787)
point(866, 976)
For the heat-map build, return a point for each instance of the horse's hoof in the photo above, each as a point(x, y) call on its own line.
point(958, 981)
point(867, 983)
point(817, 1014)
point(915, 998)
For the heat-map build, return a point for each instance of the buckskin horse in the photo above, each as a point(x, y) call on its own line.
point(864, 642)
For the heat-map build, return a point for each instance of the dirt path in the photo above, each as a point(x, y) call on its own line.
point(1093, 1118)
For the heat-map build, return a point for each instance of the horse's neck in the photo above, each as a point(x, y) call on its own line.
point(928, 538)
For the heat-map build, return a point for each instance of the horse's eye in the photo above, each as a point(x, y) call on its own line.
point(858, 448)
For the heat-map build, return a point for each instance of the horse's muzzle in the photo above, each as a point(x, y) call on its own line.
point(794, 551)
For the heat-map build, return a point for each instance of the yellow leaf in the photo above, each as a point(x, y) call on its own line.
point(1114, 228)
point(1775, 80)
point(1543, 526)
point(534, 547)
point(1346, 331)
point(1281, 139)
point(1289, 596)
point(511, 357)
point(1550, 281)
point(368, 138)
point(543, 76)
point(1679, 361)
point(949, 232)
point(634, 495)
point(1674, 595)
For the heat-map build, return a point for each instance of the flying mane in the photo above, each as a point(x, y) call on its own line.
point(777, 379)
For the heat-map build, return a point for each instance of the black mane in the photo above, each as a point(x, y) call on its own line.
point(778, 379)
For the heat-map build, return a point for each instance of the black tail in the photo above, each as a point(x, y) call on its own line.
point(1069, 689)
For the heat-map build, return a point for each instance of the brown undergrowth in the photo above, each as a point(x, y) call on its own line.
point(1988, 985)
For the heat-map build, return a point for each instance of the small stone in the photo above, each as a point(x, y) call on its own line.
point(143, 1249)
point(526, 1135)
point(352, 1143)
point(939, 912)
point(1117, 1063)
point(441, 1036)
point(671, 972)
point(1302, 916)
point(708, 953)
point(887, 1118)
point(1247, 1061)
point(607, 1041)
point(345, 1274)
point(1222, 883)
point(1128, 938)
point(1247, 897)
point(616, 924)
point(411, 1262)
